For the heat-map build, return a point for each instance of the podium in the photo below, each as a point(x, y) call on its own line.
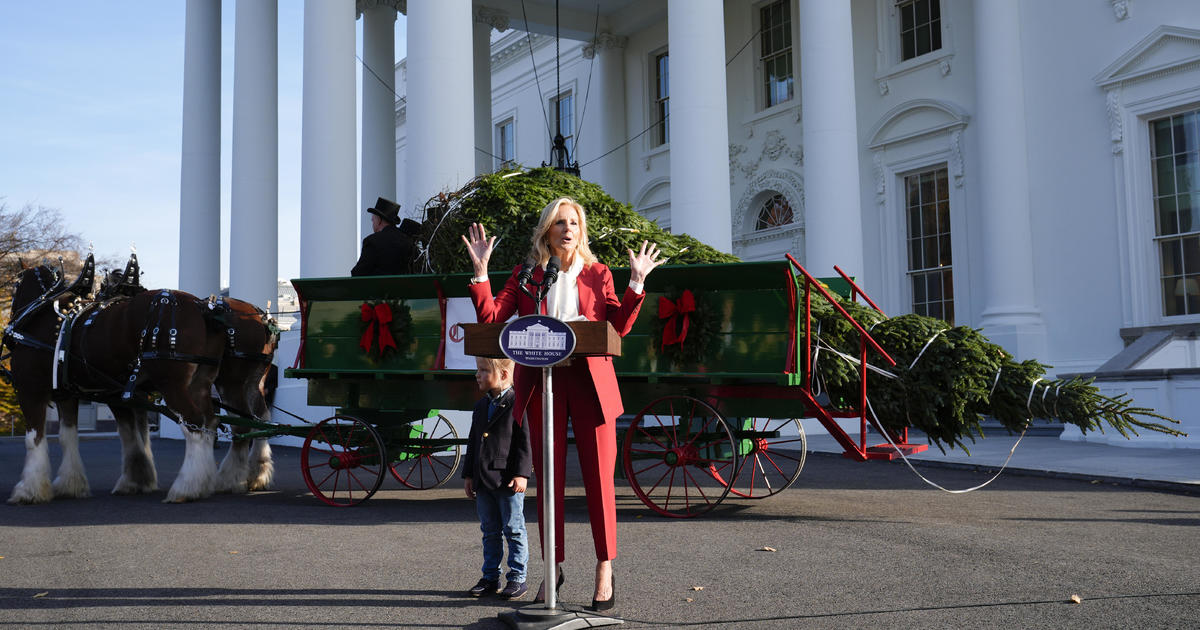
point(580, 339)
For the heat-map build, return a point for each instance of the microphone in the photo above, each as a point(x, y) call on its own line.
point(551, 272)
point(524, 275)
point(526, 272)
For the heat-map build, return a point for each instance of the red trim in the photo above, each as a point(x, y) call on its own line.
point(299, 362)
point(855, 289)
point(790, 360)
point(439, 363)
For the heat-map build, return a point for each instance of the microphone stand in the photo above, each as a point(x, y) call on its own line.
point(549, 616)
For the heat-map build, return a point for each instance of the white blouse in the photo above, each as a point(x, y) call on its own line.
point(563, 299)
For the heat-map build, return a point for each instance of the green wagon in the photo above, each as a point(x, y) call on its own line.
point(713, 414)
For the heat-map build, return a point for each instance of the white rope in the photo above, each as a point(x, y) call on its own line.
point(1030, 397)
point(935, 484)
point(901, 452)
point(935, 336)
point(856, 362)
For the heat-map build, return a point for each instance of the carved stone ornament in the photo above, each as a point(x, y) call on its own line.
point(883, 88)
point(401, 6)
point(1116, 128)
point(786, 183)
point(944, 66)
point(775, 147)
point(494, 18)
point(956, 157)
point(604, 41)
point(1120, 9)
point(880, 179)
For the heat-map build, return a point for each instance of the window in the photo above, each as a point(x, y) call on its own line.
point(775, 37)
point(920, 27)
point(662, 130)
point(1175, 161)
point(505, 148)
point(564, 120)
point(775, 212)
point(927, 201)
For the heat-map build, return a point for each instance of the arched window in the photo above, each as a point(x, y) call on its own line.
point(776, 211)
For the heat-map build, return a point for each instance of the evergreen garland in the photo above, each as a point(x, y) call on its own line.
point(508, 206)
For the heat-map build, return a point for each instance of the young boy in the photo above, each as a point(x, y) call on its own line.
point(497, 468)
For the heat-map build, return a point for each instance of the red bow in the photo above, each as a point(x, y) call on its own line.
point(377, 317)
point(671, 311)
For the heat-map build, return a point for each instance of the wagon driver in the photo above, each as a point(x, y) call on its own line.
point(389, 250)
point(586, 389)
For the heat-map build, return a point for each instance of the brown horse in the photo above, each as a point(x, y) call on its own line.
point(245, 388)
point(120, 352)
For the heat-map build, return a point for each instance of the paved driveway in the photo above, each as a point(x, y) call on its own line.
point(855, 545)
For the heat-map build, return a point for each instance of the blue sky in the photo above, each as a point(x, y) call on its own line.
point(91, 101)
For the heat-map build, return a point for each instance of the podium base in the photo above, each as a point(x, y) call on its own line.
point(538, 617)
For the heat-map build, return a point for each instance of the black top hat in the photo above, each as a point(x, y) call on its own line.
point(387, 210)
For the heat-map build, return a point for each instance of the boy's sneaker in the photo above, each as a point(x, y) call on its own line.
point(514, 590)
point(484, 587)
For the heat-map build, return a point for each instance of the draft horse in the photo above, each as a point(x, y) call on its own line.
point(124, 352)
point(244, 387)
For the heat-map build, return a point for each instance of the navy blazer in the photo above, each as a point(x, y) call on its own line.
point(388, 252)
point(498, 448)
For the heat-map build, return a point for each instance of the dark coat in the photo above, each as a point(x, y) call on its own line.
point(388, 252)
point(498, 448)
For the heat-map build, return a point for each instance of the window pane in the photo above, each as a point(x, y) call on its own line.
point(935, 310)
point(922, 40)
point(908, 45)
point(1172, 257)
point(1167, 216)
point(935, 9)
point(943, 212)
point(907, 17)
point(1161, 131)
point(1191, 255)
point(1172, 305)
point(922, 7)
point(935, 35)
point(1187, 173)
point(1164, 181)
point(914, 254)
point(934, 287)
point(918, 289)
point(929, 221)
point(1179, 132)
point(944, 250)
point(943, 190)
point(948, 286)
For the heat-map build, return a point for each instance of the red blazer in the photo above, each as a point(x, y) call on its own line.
point(597, 302)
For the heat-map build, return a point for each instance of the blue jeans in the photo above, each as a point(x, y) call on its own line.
point(502, 514)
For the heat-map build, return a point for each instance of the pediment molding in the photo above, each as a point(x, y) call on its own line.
point(1165, 50)
point(915, 119)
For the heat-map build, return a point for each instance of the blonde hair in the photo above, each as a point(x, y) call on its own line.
point(501, 364)
point(540, 251)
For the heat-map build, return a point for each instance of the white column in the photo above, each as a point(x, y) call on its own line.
point(832, 209)
point(378, 110)
point(441, 99)
point(700, 204)
point(200, 159)
point(481, 59)
point(1010, 317)
point(611, 171)
point(328, 208)
point(254, 192)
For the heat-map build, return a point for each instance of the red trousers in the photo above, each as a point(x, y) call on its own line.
point(575, 397)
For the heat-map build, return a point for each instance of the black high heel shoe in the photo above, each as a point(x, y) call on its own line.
point(558, 582)
point(608, 604)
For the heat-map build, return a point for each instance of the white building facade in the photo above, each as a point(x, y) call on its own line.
point(1024, 167)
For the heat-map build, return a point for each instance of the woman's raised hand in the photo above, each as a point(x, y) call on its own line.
point(643, 262)
point(479, 248)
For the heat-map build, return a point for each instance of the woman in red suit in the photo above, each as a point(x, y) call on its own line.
point(585, 390)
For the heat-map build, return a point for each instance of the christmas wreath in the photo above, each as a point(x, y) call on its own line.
point(685, 326)
point(387, 324)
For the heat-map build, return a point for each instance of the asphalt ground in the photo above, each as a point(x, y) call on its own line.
point(850, 545)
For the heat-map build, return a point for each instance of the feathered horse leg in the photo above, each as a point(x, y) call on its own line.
point(138, 473)
point(34, 486)
point(72, 480)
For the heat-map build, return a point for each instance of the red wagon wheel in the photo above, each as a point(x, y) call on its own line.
point(343, 460)
point(772, 452)
point(429, 456)
point(677, 453)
